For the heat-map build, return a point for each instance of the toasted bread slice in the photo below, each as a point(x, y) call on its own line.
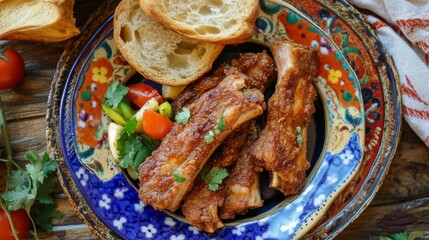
point(158, 53)
point(37, 20)
point(220, 21)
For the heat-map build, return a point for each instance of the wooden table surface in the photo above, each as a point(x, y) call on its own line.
point(401, 204)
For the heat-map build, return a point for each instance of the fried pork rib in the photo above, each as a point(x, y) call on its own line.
point(201, 206)
point(281, 147)
point(258, 67)
point(241, 188)
point(185, 150)
point(239, 191)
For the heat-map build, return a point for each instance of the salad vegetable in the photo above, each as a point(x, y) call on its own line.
point(133, 136)
point(140, 93)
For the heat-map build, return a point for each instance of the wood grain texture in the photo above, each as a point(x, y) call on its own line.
point(402, 203)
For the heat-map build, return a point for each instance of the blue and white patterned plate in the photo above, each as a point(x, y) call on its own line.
point(109, 203)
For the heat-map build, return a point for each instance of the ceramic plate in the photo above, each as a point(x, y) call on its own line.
point(349, 132)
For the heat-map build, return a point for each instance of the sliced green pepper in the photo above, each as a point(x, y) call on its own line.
point(115, 116)
point(126, 110)
point(166, 109)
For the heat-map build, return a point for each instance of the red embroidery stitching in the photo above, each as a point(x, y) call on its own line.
point(379, 24)
point(412, 23)
point(421, 114)
point(423, 45)
point(411, 92)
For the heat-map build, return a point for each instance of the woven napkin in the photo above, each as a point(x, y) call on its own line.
point(403, 27)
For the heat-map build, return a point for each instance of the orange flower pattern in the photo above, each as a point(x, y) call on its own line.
point(88, 105)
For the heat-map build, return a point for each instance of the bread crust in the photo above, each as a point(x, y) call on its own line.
point(210, 55)
point(59, 30)
point(241, 34)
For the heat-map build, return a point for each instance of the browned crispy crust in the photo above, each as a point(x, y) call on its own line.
point(241, 188)
point(202, 206)
point(184, 149)
point(63, 28)
point(258, 67)
point(289, 108)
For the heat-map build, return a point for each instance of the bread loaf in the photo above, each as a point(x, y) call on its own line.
point(158, 53)
point(220, 21)
point(37, 20)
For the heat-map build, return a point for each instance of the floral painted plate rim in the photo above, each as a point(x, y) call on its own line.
point(88, 215)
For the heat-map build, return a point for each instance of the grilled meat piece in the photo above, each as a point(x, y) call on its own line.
point(201, 206)
point(241, 188)
point(258, 67)
point(282, 147)
point(185, 150)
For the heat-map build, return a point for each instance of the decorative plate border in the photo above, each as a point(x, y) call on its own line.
point(75, 196)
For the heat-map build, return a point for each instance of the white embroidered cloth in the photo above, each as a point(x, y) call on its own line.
point(403, 27)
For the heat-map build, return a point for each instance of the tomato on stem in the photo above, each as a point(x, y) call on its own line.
point(11, 68)
point(140, 93)
point(156, 125)
point(21, 222)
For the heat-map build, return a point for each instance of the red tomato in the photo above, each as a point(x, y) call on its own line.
point(11, 68)
point(140, 93)
point(21, 221)
point(156, 125)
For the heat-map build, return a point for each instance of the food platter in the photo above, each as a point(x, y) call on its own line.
point(356, 75)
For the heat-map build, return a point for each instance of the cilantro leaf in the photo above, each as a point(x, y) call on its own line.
point(214, 177)
point(131, 151)
point(32, 156)
point(209, 137)
point(130, 127)
point(414, 235)
point(221, 126)
point(35, 173)
point(49, 167)
point(183, 116)
point(45, 190)
point(115, 93)
point(177, 177)
point(299, 136)
point(43, 215)
point(17, 178)
point(150, 142)
point(20, 197)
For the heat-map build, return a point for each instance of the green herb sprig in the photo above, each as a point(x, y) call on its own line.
point(29, 186)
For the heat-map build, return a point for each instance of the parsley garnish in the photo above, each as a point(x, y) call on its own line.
point(130, 127)
point(115, 93)
point(131, 150)
point(214, 177)
point(209, 137)
point(221, 126)
point(134, 149)
point(183, 116)
point(403, 236)
point(299, 136)
point(177, 177)
point(29, 186)
point(33, 185)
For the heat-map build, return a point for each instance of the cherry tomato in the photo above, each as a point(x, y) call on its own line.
point(156, 125)
point(140, 93)
point(21, 221)
point(11, 68)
